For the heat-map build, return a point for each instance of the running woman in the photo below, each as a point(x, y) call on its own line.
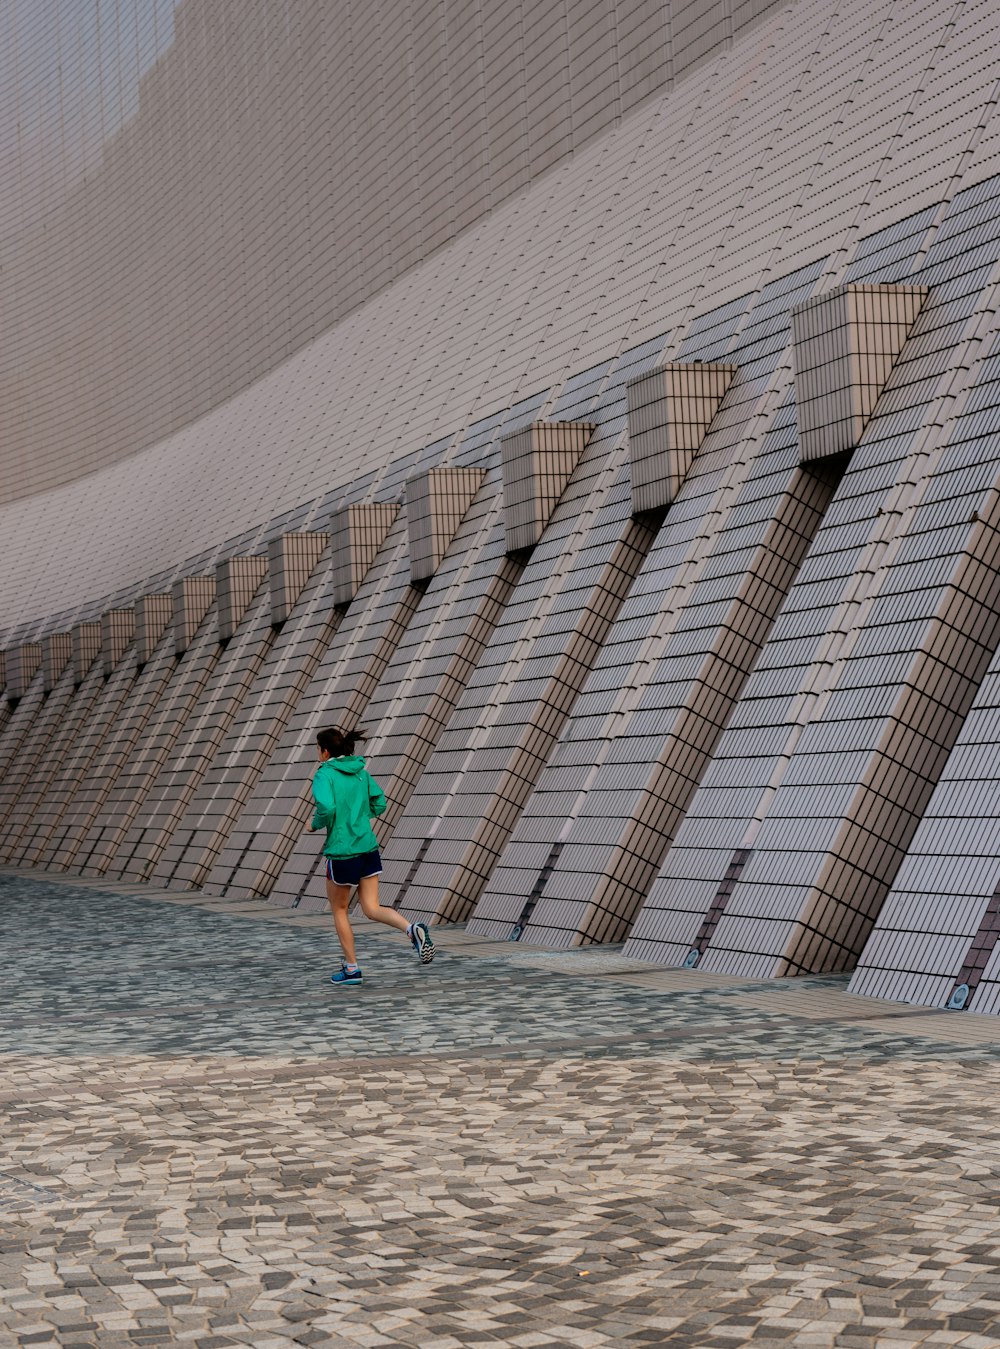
point(346, 799)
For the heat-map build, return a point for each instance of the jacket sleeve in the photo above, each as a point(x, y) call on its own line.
point(326, 804)
point(376, 797)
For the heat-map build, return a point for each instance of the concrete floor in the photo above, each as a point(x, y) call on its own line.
point(203, 1142)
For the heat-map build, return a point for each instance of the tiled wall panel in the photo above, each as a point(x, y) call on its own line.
point(45, 788)
point(23, 662)
point(115, 752)
point(669, 413)
point(44, 740)
point(153, 615)
point(109, 842)
point(237, 580)
point(277, 810)
point(290, 562)
point(176, 781)
point(597, 828)
point(247, 746)
point(192, 597)
point(781, 863)
point(845, 343)
point(20, 717)
point(85, 644)
point(439, 653)
point(936, 934)
point(436, 502)
point(487, 761)
point(97, 703)
point(117, 631)
point(357, 532)
point(407, 708)
point(57, 652)
point(537, 462)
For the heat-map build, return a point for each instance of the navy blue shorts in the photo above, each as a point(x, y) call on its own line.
point(350, 870)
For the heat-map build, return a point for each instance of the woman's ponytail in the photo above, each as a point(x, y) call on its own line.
point(336, 742)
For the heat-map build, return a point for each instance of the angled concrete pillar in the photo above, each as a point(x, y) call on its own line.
point(152, 614)
point(57, 648)
point(436, 502)
point(290, 560)
point(117, 630)
point(669, 412)
point(85, 639)
point(845, 343)
point(536, 463)
point(192, 599)
point(236, 582)
point(22, 666)
point(357, 533)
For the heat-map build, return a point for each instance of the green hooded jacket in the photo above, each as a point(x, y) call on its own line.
point(346, 799)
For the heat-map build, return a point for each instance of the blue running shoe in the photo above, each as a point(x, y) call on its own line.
point(346, 976)
point(421, 938)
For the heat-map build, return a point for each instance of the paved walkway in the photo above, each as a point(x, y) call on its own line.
point(203, 1143)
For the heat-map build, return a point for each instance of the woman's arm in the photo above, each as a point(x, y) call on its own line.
point(376, 797)
point(326, 802)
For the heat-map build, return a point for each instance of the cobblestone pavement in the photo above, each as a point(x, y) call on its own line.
point(204, 1143)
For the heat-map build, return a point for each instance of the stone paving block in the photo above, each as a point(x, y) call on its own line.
point(200, 1162)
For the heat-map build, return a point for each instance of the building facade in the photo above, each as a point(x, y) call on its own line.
point(596, 401)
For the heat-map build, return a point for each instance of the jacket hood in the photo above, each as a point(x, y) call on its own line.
point(351, 764)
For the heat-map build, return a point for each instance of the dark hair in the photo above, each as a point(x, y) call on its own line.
point(337, 742)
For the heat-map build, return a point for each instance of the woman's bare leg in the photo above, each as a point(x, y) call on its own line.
point(339, 897)
point(372, 909)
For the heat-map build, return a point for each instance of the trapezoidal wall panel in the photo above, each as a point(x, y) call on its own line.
point(119, 747)
point(935, 940)
point(436, 503)
point(22, 664)
point(429, 664)
point(20, 719)
point(670, 410)
point(85, 639)
point(220, 700)
point(278, 858)
point(153, 615)
point(57, 652)
point(30, 769)
point(45, 847)
point(41, 799)
point(109, 842)
point(503, 729)
point(246, 749)
point(439, 653)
